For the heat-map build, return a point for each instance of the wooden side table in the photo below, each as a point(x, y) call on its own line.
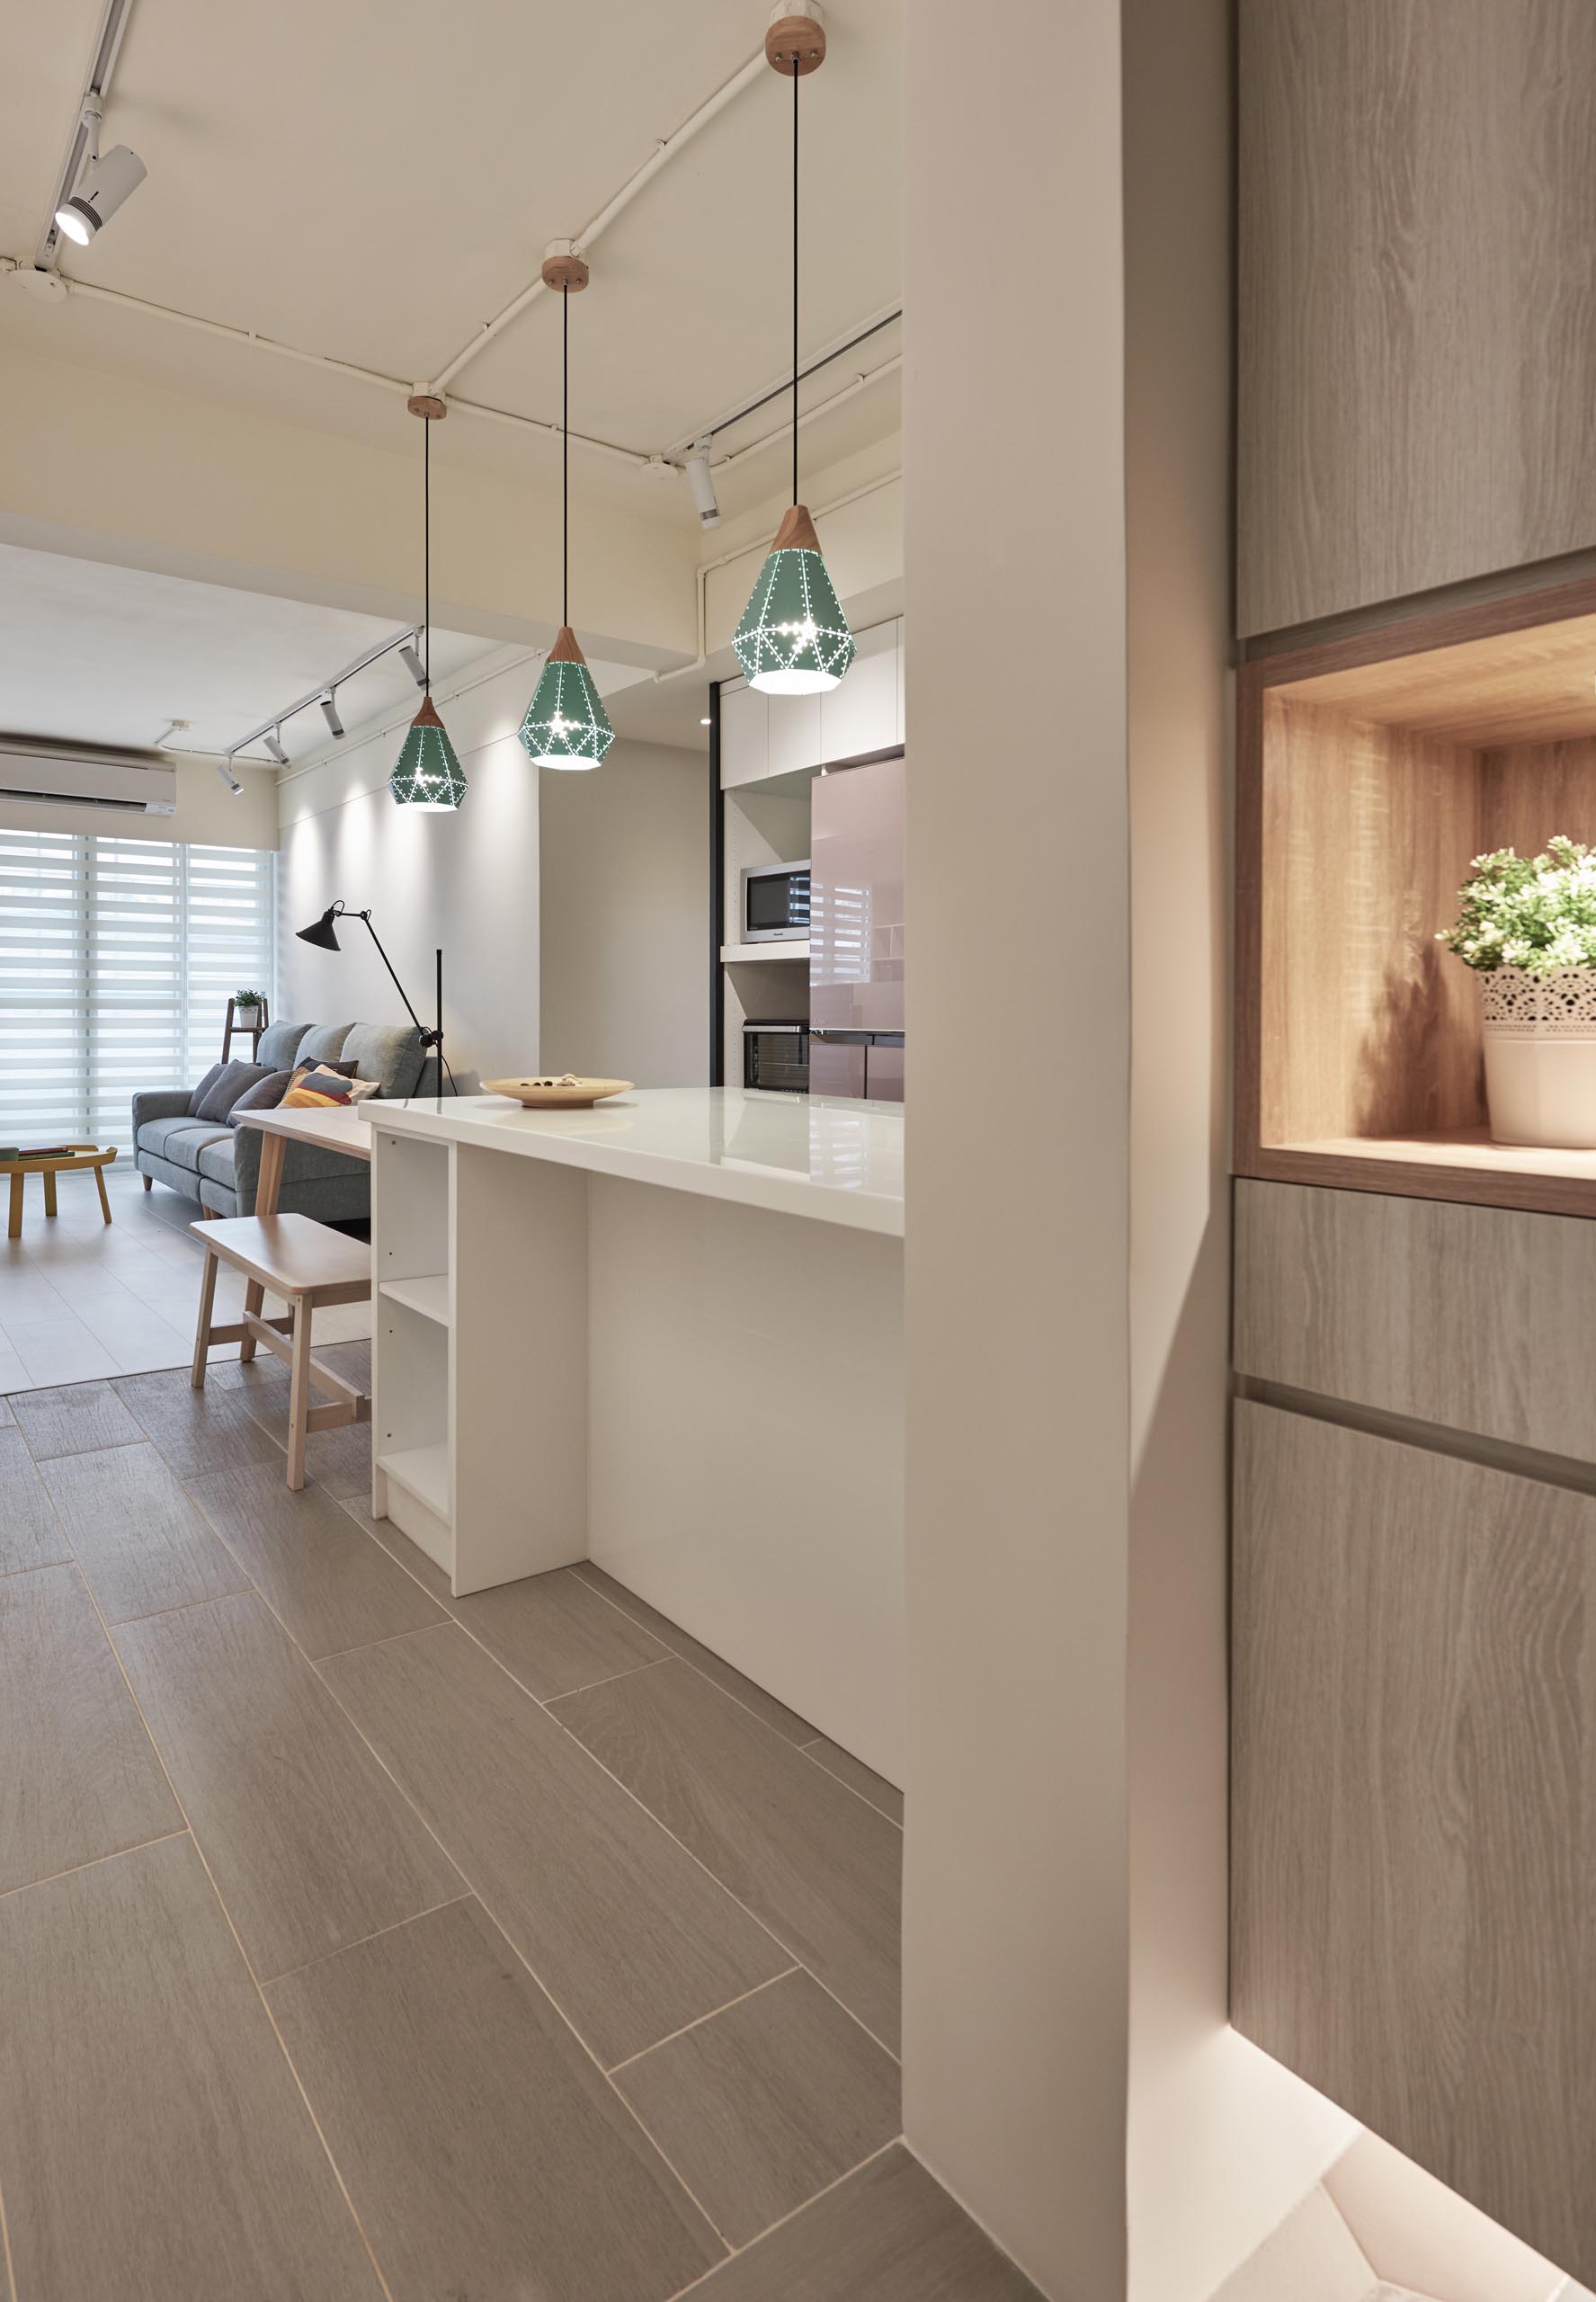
point(70, 1158)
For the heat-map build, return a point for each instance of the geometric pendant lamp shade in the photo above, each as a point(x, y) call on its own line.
point(566, 724)
point(794, 639)
point(427, 774)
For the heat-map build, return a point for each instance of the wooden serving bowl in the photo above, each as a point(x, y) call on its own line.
point(567, 1093)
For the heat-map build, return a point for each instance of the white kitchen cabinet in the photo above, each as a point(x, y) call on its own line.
point(794, 732)
point(860, 715)
point(744, 735)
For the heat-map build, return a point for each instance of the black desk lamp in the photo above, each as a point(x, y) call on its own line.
point(324, 935)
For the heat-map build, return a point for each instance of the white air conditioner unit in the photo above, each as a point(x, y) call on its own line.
point(75, 775)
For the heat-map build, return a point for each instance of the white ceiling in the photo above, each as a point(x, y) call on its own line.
point(102, 654)
point(374, 184)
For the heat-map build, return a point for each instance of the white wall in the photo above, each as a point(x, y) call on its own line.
point(626, 918)
point(207, 814)
point(1221, 2141)
point(1015, 1937)
point(466, 881)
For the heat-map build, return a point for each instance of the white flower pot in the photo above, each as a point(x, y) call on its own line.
point(1540, 1057)
point(245, 1018)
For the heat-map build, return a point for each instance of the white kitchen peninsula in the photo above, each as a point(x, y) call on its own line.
point(666, 1334)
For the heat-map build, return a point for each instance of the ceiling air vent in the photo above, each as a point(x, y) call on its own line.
point(73, 775)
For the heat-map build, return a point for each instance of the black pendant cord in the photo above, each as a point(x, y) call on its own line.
point(426, 557)
point(564, 461)
point(796, 76)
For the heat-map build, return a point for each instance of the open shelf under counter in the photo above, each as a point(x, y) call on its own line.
point(760, 954)
point(1460, 1164)
point(428, 1295)
point(422, 1471)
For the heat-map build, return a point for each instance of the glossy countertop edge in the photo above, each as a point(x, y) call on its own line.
point(494, 1123)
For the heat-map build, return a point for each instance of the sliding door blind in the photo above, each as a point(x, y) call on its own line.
point(117, 957)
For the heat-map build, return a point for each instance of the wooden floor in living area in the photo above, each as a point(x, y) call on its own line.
point(359, 1940)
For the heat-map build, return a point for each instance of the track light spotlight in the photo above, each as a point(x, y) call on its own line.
point(224, 768)
point(701, 482)
point(106, 182)
point(329, 713)
point(274, 746)
point(413, 664)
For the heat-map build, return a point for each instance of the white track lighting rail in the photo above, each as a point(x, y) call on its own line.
point(666, 149)
point(323, 697)
point(108, 39)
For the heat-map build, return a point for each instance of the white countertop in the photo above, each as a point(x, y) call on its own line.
point(837, 1162)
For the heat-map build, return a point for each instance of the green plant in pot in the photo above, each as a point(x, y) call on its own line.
point(246, 1009)
point(1526, 925)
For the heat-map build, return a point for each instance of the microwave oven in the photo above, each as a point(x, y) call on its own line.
point(775, 904)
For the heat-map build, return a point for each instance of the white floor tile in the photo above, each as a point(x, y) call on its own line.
point(14, 1375)
point(60, 1350)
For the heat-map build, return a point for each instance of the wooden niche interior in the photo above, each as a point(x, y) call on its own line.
point(1366, 790)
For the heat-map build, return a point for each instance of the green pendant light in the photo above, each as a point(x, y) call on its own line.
point(427, 774)
point(566, 723)
point(794, 639)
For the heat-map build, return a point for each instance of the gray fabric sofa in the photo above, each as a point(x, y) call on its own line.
point(217, 1165)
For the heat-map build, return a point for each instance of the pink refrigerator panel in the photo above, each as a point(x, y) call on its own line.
point(856, 901)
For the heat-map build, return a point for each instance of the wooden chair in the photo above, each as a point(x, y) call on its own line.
point(309, 1264)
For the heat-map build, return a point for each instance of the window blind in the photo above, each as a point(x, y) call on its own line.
point(117, 958)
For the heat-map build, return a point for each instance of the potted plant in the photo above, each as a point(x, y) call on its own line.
point(246, 1010)
point(1528, 926)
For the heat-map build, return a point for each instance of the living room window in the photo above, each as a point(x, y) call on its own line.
point(117, 958)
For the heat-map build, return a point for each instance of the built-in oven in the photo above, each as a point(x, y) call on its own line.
point(776, 904)
point(777, 1056)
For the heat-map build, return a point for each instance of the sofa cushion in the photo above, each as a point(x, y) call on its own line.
point(321, 1085)
point(204, 1088)
point(323, 1043)
point(264, 1097)
point(219, 1098)
point(281, 1044)
point(180, 1141)
point(390, 1053)
point(216, 1159)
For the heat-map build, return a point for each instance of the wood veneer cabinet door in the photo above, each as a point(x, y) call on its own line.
point(1415, 331)
point(1483, 1318)
point(1413, 1712)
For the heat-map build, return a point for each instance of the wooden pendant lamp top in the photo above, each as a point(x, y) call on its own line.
point(427, 717)
point(795, 44)
point(797, 531)
point(566, 647)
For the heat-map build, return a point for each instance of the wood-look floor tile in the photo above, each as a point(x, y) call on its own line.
point(399, 1545)
point(207, 1430)
point(79, 1778)
point(889, 2233)
point(485, 2154)
point(73, 1418)
point(139, 1538)
point(625, 1931)
point(330, 1583)
point(30, 1534)
point(761, 2106)
point(776, 1715)
point(819, 1867)
point(310, 1845)
point(882, 1795)
point(555, 1633)
point(340, 1459)
point(154, 2146)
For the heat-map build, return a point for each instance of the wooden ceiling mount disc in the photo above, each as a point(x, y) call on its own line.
point(795, 44)
point(562, 269)
point(427, 405)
